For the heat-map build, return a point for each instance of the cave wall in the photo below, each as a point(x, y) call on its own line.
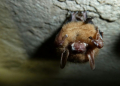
point(26, 26)
point(37, 20)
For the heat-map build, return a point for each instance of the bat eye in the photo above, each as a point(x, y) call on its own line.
point(90, 37)
point(77, 35)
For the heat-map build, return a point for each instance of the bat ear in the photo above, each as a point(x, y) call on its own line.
point(90, 56)
point(64, 57)
point(98, 42)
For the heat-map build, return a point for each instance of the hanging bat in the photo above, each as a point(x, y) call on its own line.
point(79, 40)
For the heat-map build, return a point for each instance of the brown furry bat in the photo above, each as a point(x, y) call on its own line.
point(79, 40)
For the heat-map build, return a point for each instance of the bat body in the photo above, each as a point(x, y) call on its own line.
point(79, 41)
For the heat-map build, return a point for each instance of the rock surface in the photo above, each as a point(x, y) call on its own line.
point(108, 10)
point(26, 25)
point(11, 46)
point(36, 20)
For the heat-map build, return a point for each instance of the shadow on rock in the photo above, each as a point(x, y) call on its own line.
point(47, 49)
point(116, 48)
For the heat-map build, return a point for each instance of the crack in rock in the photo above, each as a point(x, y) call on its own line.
point(102, 8)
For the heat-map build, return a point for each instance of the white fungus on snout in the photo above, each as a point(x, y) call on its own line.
point(85, 44)
point(73, 48)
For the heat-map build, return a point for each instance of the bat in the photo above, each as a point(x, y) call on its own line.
point(79, 40)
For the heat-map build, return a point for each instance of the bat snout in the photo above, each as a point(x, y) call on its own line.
point(79, 47)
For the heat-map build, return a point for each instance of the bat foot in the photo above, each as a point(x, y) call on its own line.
point(79, 16)
point(73, 16)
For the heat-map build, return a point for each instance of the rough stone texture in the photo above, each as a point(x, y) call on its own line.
point(36, 20)
point(26, 24)
point(106, 9)
point(11, 46)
